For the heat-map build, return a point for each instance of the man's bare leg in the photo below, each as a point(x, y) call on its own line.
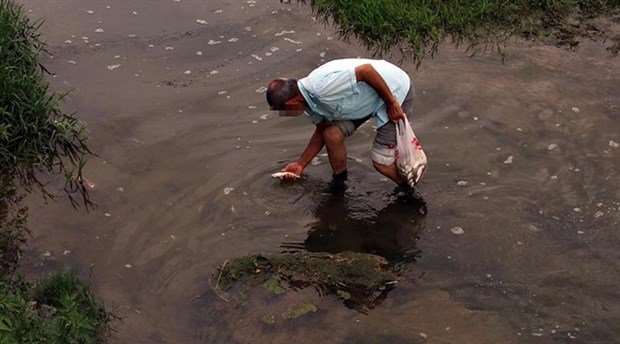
point(389, 171)
point(336, 150)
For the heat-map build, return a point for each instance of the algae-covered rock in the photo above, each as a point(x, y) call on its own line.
point(274, 286)
point(299, 310)
point(352, 276)
point(345, 295)
point(268, 319)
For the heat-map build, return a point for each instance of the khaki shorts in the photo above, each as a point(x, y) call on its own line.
point(384, 146)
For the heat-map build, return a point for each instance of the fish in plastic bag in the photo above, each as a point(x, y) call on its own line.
point(410, 158)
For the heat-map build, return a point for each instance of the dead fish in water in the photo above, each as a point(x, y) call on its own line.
point(282, 175)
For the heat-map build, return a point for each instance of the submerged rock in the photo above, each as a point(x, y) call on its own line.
point(299, 310)
point(268, 319)
point(357, 278)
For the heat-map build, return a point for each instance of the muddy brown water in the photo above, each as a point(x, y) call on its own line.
point(537, 262)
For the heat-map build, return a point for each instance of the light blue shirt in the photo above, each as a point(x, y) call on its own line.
point(333, 93)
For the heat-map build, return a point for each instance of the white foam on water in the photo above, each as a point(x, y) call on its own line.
point(457, 230)
point(291, 41)
point(284, 32)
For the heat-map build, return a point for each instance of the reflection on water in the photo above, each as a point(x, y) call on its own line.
point(342, 225)
point(390, 232)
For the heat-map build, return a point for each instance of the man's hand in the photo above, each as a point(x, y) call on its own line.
point(293, 167)
point(394, 111)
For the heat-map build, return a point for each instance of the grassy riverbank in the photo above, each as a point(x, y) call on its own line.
point(58, 309)
point(418, 27)
point(38, 142)
point(35, 134)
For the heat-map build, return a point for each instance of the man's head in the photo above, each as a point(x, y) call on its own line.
point(283, 95)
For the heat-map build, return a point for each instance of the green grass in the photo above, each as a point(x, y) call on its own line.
point(35, 135)
point(38, 141)
point(12, 238)
point(418, 27)
point(59, 309)
point(12, 228)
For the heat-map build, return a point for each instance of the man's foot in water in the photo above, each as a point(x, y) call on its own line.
point(403, 187)
point(338, 182)
point(404, 191)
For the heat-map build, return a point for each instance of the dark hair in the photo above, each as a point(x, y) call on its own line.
point(281, 90)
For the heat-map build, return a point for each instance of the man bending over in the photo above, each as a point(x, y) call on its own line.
point(338, 97)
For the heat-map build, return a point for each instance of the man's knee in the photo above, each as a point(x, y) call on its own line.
point(332, 135)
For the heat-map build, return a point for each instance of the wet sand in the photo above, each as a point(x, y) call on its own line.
point(523, 157)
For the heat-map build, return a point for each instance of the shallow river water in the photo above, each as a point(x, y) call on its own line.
point(523, 158)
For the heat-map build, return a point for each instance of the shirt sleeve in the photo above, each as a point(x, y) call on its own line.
point(336, 85)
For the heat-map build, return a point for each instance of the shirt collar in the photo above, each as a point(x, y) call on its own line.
point(310, 102)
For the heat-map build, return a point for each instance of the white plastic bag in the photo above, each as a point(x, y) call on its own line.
point(410, 158)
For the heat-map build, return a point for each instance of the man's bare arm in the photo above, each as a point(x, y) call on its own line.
point(313, 148)
point(368, 74)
